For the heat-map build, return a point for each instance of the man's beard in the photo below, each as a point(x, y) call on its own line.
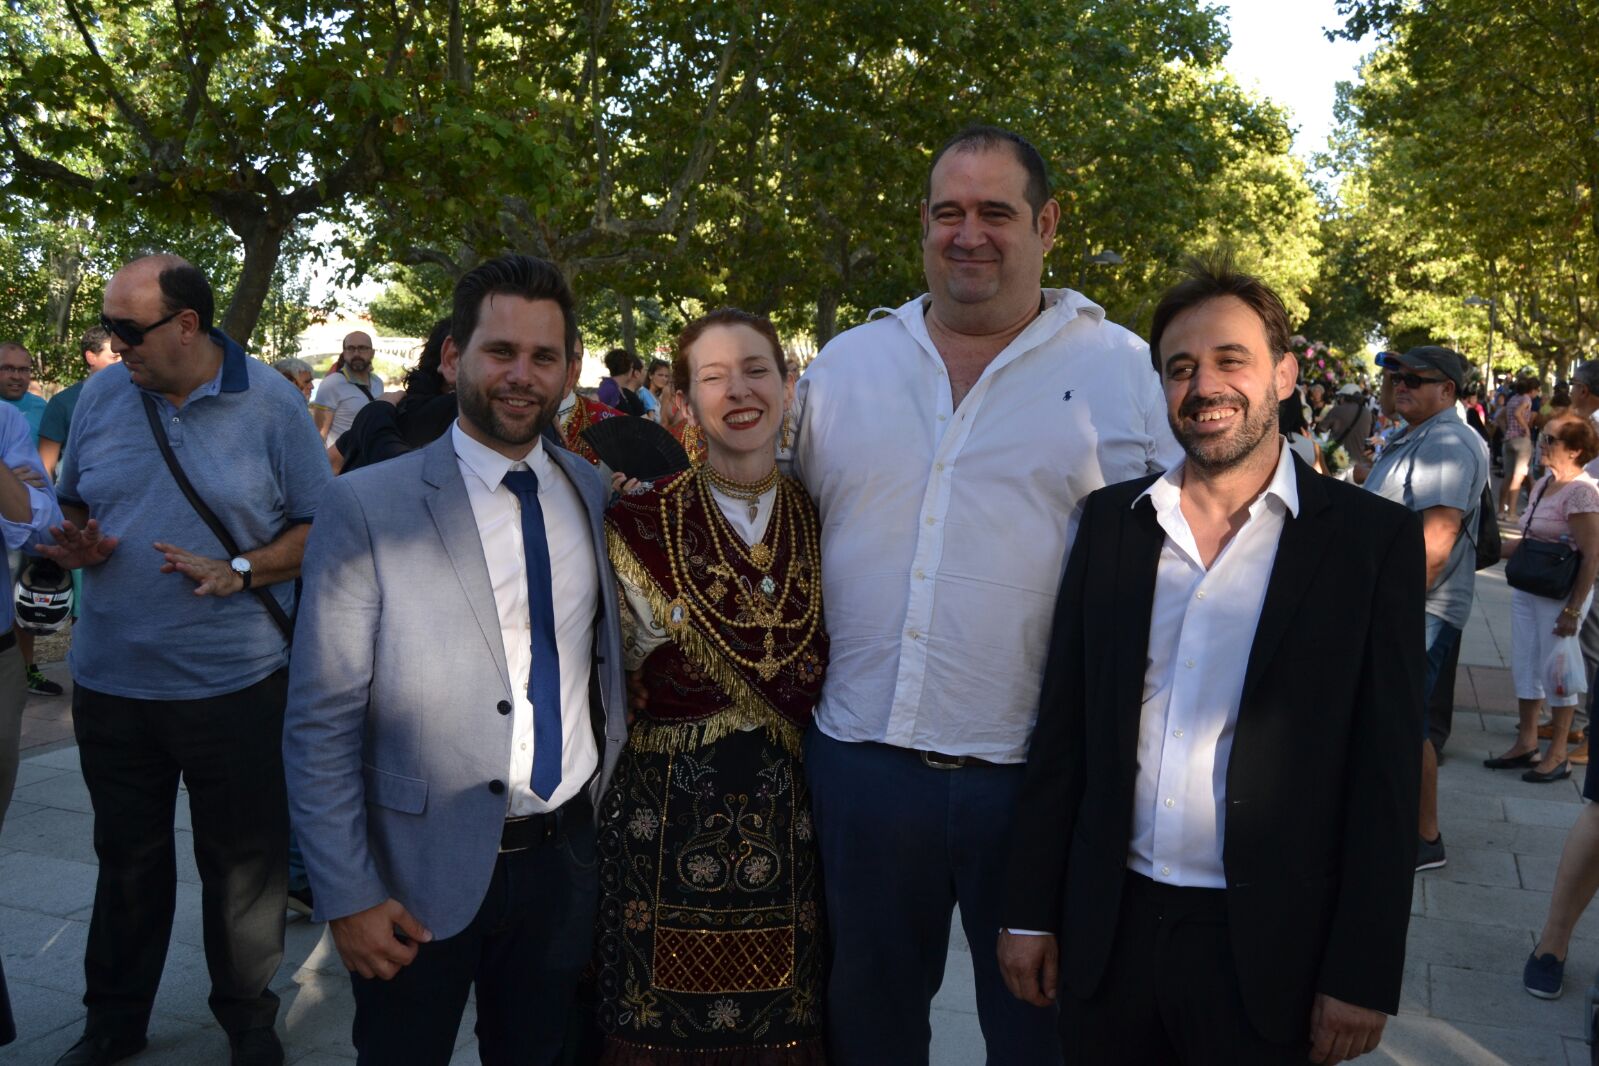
point(1219, 452)
point(359, 366)
point(478, 407)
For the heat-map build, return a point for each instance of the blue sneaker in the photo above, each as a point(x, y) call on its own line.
point(1543, 976)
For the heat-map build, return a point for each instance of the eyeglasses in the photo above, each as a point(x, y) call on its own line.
point(1549, 440)
point(1414, 381)
point(131, 333)
point(358, 347)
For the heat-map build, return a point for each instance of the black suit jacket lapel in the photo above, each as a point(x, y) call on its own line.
point(1142, 539)
point(1299, 556)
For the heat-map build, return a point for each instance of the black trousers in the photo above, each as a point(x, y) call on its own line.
point(228, 750)
point(1170, 995)
point(524, 952)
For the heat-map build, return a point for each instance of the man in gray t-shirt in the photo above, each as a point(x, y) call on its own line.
point(1437, 467)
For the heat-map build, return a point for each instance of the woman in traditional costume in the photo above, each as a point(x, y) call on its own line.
point(710, 938)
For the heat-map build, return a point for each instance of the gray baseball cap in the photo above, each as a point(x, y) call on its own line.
point(1447, 361)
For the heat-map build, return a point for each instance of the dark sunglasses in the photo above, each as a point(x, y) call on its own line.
point(131, 333)
point(1414, 381)
point(1549, 439)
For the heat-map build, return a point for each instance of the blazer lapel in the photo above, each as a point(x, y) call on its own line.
point(452, 514)
point(1299, 552)
point(1142, 539)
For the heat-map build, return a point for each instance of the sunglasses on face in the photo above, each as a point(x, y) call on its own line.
point(1549, 440)
point(1413, 381)
point(131, 333)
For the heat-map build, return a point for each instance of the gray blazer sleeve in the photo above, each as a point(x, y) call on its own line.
point(330, 677)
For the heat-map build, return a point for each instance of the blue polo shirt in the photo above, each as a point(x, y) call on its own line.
point(16, 449)
point(253, 456)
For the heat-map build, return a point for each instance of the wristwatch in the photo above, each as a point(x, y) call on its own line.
point(241, 566)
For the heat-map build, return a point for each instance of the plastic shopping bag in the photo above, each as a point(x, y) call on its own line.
point(1563, 672)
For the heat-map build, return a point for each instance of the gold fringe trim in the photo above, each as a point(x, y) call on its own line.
point(748, 709)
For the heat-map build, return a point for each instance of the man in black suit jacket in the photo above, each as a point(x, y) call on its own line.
point(1218, 822)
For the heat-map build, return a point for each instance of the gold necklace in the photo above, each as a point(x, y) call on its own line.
point(748, 491)
point(690, 603)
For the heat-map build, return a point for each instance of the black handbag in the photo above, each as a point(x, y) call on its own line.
point(1542, 567)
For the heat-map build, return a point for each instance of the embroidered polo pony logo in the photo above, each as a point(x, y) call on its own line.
point(1067, 395)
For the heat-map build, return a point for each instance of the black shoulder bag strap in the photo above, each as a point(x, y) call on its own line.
point(365, 390)
point(208, 516)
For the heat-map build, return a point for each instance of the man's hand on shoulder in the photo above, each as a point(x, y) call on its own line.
point(1341, 1031)
point(75, 548)
point(368, 944)
point(211, 577)
point(1030, 966)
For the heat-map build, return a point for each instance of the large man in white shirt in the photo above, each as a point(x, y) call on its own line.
point(1220, 853)
point(947, 502)
point(455, 705)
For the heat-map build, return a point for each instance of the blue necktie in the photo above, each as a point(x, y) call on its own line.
point(544, 679)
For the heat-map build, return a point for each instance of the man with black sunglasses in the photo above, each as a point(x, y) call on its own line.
point(180, 655)
point(1437, 467)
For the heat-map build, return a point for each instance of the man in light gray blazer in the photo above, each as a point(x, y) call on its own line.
point(456, 703)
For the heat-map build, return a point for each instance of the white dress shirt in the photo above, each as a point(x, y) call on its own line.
point(945, 529)
point(1201, 628)
point(576, 585)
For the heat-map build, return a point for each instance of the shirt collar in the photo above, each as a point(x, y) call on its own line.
point(1414, 432)
point(232, 376)
point(1060, 307)
point(1165, 492)
point(489, 465)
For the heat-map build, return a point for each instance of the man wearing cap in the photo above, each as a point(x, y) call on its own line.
point(1437, 466)
point(1348, 424)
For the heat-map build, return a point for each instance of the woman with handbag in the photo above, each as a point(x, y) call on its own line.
point(1551, 571)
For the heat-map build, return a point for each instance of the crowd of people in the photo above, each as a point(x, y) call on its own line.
point(696, 770)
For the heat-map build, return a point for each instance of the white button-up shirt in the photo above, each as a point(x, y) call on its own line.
point(945, 529)
point(1201, 629)
point(576, 585)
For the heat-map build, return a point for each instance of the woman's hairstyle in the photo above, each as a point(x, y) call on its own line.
point(1577, 434)
point(722, 316)
point(424, 380)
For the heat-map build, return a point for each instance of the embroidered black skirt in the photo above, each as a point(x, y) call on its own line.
point(710, 939)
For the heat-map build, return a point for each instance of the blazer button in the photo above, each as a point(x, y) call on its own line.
point(496, 787)
point(503, 707)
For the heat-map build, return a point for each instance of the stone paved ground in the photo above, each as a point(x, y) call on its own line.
point(1474, 921)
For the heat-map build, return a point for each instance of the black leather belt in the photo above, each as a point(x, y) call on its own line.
point(8, 640)
point(536, 830)
point(939, 761)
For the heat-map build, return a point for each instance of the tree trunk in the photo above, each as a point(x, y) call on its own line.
point(460, 74)
point(826, 318)
point(263, 244)
point(624, 304)
point(66, 275)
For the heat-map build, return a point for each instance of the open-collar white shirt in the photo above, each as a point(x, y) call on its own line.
point(945, 529)
point(1201, 629)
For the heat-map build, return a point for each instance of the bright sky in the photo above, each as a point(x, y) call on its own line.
point(1279, 49)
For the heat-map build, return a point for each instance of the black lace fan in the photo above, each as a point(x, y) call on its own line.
point(636, 447)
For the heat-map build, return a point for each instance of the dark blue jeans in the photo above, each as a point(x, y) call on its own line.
point(523, 954)
point(1441, 639)
point(901, 843)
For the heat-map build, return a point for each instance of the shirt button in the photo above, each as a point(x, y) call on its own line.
point(497, 786)
point(1170, 802)
point(504, 707)
point(938, 466)
point(174, 419)
point(1177, 732)
point(943, 418)
point(913, 634)
point(1165, 871)
point(931, 520)
point(1188, 663)
point(921, 575)
point(1199, 595)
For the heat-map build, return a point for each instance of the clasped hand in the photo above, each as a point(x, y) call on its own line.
point(367, 942)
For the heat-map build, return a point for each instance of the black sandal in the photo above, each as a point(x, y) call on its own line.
point(1559, 773)
point(1512, 762)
